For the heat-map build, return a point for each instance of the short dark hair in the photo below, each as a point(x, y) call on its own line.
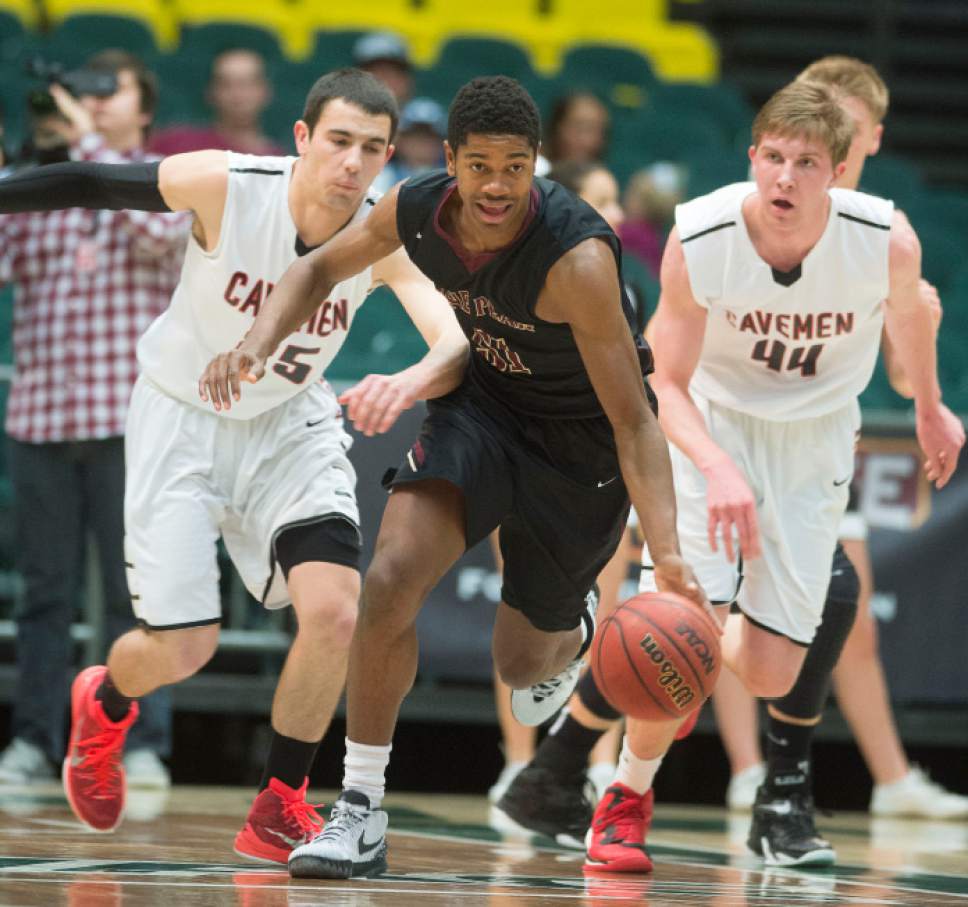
point(493, 105)
point(355, 87)
point(116, 61)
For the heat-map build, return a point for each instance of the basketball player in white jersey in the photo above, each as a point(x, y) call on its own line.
point(858, 678)
point(774, 294)
point(270, 473)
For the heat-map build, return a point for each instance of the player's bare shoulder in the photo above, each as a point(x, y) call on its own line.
point(586, 271)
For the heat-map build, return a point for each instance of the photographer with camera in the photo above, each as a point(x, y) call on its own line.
point(87, 284)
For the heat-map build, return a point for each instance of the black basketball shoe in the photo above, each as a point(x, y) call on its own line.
point(783, 833)
point(548, 804)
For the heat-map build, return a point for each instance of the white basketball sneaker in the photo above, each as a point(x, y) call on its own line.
point(539, 702)
point(353, 843)
point(917, 795)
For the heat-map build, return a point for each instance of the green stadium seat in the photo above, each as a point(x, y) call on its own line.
point(641, 138)
point(892, 177)
point(463, 58)
point(947, 208)
point(80, 36)
point(333, 49)
point(382, 340)
point(942, 253)
point(622, 75)
point(200, 43)
point(709, 169)
point(720, 103)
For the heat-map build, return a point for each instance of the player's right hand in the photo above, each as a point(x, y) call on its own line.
point(673, 574)
point(731, 506)
point(221, 382)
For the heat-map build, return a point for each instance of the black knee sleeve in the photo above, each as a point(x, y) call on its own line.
point(593, 700)
point(809, 693)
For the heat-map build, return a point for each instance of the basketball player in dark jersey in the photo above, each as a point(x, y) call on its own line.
point(550, 434)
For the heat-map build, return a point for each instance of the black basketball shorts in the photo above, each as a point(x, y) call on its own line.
point(552, 485)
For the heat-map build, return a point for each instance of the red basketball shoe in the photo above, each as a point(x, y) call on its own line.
point(279, 821)
point(93, 773)
point(616, 840)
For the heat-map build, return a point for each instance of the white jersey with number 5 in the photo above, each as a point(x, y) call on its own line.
point(221, 292)
point(787, 345)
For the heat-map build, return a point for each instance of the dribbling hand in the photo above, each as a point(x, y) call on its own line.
point(673, 574)
point(221, 382)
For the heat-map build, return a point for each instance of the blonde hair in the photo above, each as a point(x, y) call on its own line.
point(807, 109)
point(854, 79)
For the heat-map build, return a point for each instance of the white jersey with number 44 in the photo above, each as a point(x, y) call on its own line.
point(220, 293)
point(787, 345)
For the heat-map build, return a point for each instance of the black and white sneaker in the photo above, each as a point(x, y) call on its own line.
point(540, 802)
point(353, 843)
point(541, 701)
point(783, 832)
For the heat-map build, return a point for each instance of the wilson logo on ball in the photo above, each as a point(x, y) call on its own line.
point(672, 682)
point(699, 646)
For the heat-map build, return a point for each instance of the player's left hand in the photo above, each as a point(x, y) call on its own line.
point(673, 574)
point(941, 436)
point(376, 402)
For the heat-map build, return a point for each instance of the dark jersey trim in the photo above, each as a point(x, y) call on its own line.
point(256, 170)
point(729, 223)
point(787, 278)
point(773, 632)
point(185, 626)
point(860, 220)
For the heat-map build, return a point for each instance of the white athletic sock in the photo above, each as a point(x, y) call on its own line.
point(364, 769)
point(635, 772)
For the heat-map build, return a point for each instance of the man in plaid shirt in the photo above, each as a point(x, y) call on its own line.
point(88, 283)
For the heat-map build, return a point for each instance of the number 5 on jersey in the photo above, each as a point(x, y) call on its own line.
point(289, 366)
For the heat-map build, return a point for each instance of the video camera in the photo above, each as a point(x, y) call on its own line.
point(78, 82)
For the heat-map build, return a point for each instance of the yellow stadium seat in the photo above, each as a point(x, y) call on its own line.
point(285, 20)
point(155, 15)
point(519, 21)
point(399, 16)
point(24, 11)
point(678, 51)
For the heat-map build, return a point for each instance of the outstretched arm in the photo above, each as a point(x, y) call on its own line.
point(582, 289)
point(374, 404)
point(296, 296)
point(912, 334)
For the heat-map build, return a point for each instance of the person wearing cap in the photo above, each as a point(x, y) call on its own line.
point(384, 55)
point(419, 143)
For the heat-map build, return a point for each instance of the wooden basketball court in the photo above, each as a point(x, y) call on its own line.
point(176, 849)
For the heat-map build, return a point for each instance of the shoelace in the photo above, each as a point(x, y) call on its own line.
point(343, 819)
point(627, 811)
point(303, 815)
point(100, 765)
point(541, 691)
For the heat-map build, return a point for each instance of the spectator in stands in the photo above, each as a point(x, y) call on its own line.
point(650, 201)
point(238, 92)
point(419, 143)
point(577, 129)
point(384, 55)
point(87, 283)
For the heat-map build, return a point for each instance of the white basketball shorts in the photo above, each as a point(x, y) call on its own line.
point(192, 475)
point(799, 472)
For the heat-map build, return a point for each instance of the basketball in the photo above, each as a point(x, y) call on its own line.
point(656, 657)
